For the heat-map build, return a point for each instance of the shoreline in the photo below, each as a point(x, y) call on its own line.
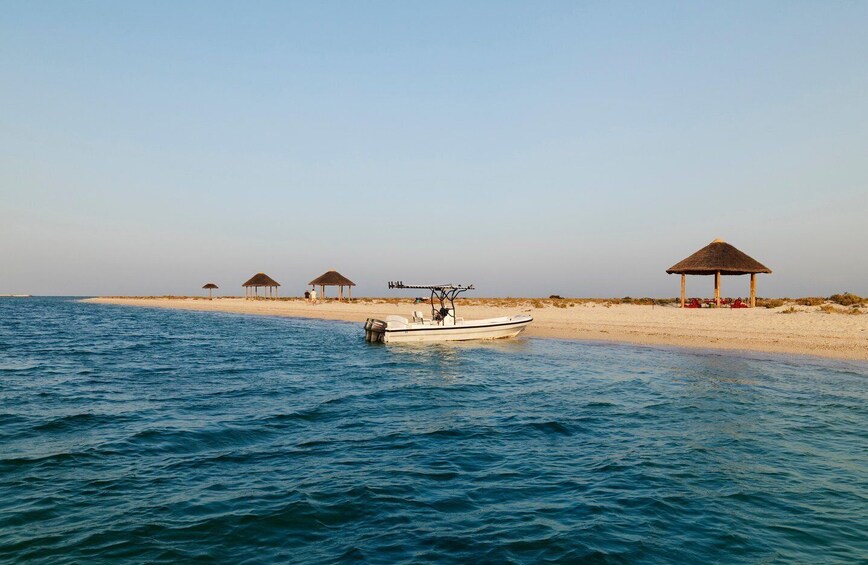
point(807, 331)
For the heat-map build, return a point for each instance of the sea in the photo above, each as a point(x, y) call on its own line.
point(143, 435)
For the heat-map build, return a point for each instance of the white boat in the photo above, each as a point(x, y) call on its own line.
point(442, 324)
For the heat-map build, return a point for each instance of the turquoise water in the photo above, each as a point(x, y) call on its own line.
point(159, 436)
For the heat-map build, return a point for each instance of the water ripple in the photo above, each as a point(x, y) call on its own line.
point(163, 436)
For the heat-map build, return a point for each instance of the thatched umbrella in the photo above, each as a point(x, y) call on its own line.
point(257, 281)
point(333, 278)
point(719, 258)
point(210, 287)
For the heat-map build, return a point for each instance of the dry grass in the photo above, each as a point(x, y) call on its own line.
point(845, 303)
point(847, 299)
point(830, 309)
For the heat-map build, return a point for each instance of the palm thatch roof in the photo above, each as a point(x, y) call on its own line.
point(718, 256)
point(261, 279)
point(331, 278)
point(210, 285)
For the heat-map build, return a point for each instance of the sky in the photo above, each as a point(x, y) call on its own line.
point(529, 148)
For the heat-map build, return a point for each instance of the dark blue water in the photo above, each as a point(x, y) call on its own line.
point(158, 436)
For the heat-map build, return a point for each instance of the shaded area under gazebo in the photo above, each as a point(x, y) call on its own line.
point(333, 278)
point(210, 287)
point(719, 258)
point(263, 281)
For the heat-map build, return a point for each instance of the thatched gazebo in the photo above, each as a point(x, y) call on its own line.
point(333, 278)
point(719, 258)
point(210, 287)
point(257, 281)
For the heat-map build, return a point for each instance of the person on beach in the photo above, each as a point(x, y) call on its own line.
point(306, 295)
point(313, 296)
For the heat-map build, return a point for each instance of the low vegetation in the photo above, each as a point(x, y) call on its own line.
point(852, 310)
point(845, 303)
point(847, 299)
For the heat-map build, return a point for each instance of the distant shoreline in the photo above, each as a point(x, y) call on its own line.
point(787, 329)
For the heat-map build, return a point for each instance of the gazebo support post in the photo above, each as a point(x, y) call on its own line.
point(753, 290)
point(717, 289)
point(683, 287)
point(350, 292)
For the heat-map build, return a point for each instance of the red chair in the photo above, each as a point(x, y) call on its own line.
point(739, 304)
point(694, 303)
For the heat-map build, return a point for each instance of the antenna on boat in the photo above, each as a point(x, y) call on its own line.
point(443, 292)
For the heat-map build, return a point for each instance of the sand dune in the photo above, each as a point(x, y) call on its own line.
point(808, 331)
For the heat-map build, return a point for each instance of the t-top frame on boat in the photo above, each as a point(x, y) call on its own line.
point(443, 292)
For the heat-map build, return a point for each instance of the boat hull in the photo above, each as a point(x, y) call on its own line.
point(500, 328)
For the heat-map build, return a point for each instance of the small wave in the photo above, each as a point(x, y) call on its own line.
point(77, 422)
point(58, 459)
point(552, 427)
point(13, 366)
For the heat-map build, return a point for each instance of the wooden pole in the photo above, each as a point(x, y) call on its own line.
point(350, 292)
point(753, 290)
point(683, 287)
point(717, 289)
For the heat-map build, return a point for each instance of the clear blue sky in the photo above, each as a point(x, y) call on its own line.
point(530, 148)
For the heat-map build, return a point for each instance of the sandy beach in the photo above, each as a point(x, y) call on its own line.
point(804, 330)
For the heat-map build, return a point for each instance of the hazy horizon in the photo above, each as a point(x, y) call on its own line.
point(562, 148)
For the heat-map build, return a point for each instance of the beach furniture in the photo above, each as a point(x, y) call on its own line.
point(210, 287)
point(260, 281)
point(333, 278)
point(719, 258)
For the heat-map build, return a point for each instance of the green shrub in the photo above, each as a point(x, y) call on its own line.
point(811, 301)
